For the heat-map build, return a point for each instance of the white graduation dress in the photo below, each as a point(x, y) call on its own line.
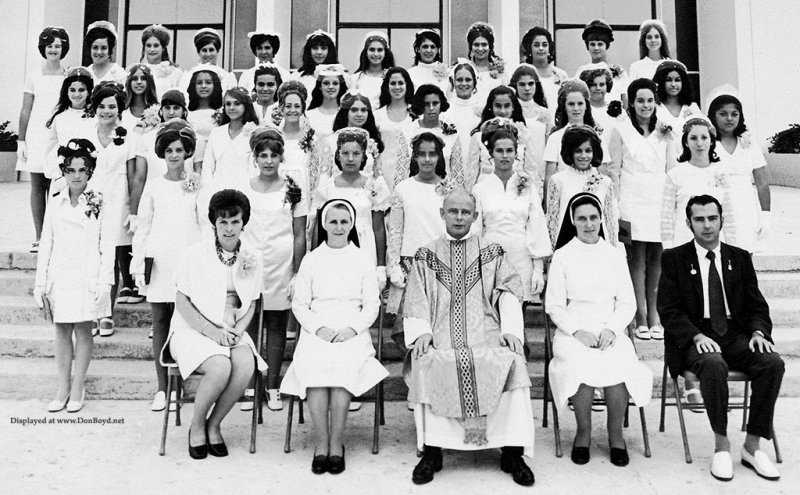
point(550, 87)
point(170, 222)
point(589, 288)
point(738, 168)
point(322, 123)
point(114, 74)
point(334, 288)
point(202, 122)
point(390, 135)
point(435, 73)
point(513, 219)
point(369, 86)
point(227, 162)
point(644, 68)
point(38, 138)
point(166, 75)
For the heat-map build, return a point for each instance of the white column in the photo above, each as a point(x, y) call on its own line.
point(504, 16)
point(276, 15)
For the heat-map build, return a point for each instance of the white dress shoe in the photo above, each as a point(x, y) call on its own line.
point(159, 401)
point(642, 333)
point(760, 463)
point(274, 402)
point(57, 405)
point(74, 406)
point(722, 466)
point(248, 406)
point(354, 406)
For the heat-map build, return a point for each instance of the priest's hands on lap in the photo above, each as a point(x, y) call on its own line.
point(511, 342)
point(760, 342)
point(606, 339)
point(422, 344)
point(586, 338)
point(706, 344)
point(344, 334)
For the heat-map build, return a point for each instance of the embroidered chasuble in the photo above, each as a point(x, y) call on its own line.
point(455, 286)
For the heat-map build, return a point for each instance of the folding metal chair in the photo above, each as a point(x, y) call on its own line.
point(379, 406)
point(175, 383)
point(547, 396)
point(744, 405)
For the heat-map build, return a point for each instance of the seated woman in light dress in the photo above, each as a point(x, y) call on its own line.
point(336, 302)
point(590, 299)
point(218, 285)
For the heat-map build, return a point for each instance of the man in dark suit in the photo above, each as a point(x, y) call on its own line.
point(716, 319)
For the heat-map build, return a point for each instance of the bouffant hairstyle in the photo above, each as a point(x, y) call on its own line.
point(686, 95)
point(316, 93)
point(492, 134)
point(575, 136)
point(388, 57)
point(633, 88)
point(160, 33)
point(385, 97)
point(266, 139)
point(214, 100)
point(686, 153)
point(525, 50)
point(205, 38)
point(418, 103)
point(105, 90)
point(528, 70)
point(98, 33)
point(431, 36)
point(258, 39)
point(517, 114)
point(49, 35)
point(428, 137)
point(227, 203)
point(78, 148)
point(568, 87)
point(307, 69)
point(464, 66)
point(481, 30)
point(597, 30)
point(347, 136)
point(269, 71)
point(150, 95)
point(242, 96)
point(720, 102)
point(340, 121)
point(644, 29)
point(175, 130)
point(588, 76)
point(293, 87)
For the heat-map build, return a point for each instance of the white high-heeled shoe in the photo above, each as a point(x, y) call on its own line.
point(74, 406)
point(57, 405)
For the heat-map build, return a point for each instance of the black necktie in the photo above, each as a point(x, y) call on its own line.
point(716, 298)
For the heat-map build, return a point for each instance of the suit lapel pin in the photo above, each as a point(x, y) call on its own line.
point(730, 268)
point(693, 271)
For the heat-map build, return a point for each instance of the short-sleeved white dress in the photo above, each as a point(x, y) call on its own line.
point(38, 138)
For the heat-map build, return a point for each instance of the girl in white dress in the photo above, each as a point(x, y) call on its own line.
point(74, 270)
point(320, 48)
point(264, 45)
point(40, 96)
point(698, 172)
point(641, 155)
point(375, 58)
point(653, 49)
point(205, 100)
point(744, 167)
point(355, 111)
point(336, 301)
point(510, 209)
point(582, 151)
point(573, 109)
point(266, 82)
point(115, 159)
point(327, 93)
point(590, 299)
point(155, 55)
point(208, 44)
point(369, 195)
point(277, 229)
point(597, 36)
point(538, 49)
point(676, 98)
point(169, 222)
point(465, 109)
point(141, 100)
point(101, 41)
point(599, 81)
point(72, 118)
point(415, 219)
point(394, 116)
point(503, 104)
point(218, 284)
point(428, 67)
point(226, 162)
point(530, 94)
point(490, 67)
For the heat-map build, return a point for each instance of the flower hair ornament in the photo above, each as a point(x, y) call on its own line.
point(330, 70)
point(699, 120)
point(292, 87)
point(352, 135)
point(118, 135)
point(77, 148)
point(495, 124)
point(320, 32)
point(376, 36)
point(482, 29)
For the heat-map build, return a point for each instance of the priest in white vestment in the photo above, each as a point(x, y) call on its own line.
point(468, 381)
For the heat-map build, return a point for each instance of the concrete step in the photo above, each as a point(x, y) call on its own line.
point(775, 285)
point(35, 378)
point(17, 260)
point(17, 282)
point(777, 262)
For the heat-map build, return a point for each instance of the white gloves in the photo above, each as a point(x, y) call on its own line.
point(764, 225)
point(138, 279)
point(22, 151)
point(132, 223)
point(38, 295)
point(380, 272)
point(537, 282)
point(397, 277)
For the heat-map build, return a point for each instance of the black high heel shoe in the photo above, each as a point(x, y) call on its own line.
point(319, 464)
point(216, 449)
point(199, 452)
point(619, 457)
point(580, 455)
point(336, 463)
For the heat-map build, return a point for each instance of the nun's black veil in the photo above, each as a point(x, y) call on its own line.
point(322, 234)
point(568, 230)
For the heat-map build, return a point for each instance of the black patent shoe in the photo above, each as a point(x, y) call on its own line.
point(336, 463)
point(520, 472)
point(430, 463)
point(319, 464)
point(580, 455)
point(619, 457)
point(199, 452)
point(216, 449)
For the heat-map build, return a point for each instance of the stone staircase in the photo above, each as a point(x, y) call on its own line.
point(122, 365)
